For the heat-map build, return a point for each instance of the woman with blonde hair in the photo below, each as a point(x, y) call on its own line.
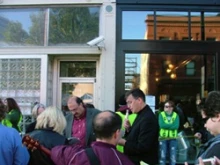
point(51, 118)
point(48, 132)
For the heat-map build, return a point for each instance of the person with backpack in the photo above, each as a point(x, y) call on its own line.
point(107, 128)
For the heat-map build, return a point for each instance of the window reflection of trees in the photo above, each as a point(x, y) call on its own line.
point(75, 25)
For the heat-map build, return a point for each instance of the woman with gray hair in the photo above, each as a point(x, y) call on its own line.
point(37, 110)
point(48, 132)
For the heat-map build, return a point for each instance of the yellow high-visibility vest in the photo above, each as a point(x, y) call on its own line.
point(166, 133)
point(131, 118)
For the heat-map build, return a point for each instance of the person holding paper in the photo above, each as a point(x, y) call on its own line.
point(125, 113)
point(141, 139)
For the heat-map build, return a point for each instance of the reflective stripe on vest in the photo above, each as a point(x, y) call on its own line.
point(166, 133)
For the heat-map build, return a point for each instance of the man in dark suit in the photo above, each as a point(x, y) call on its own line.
point(79, 121)
point(141, 139)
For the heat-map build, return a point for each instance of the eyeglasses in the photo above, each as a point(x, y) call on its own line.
point(168, 107)
point(204, 120)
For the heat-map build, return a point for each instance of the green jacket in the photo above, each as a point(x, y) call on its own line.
point(13, 119)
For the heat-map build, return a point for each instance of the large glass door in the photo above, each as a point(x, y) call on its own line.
point(184, 79)
point(81, 87)
point(170, 75)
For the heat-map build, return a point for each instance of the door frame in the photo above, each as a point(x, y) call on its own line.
point(57, 79)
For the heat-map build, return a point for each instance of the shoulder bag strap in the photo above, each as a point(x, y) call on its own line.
point(93, 159)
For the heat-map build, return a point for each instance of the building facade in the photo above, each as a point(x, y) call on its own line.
point(44, 55)
point(168, 49)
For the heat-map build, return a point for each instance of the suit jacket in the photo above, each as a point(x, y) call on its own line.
point(90, 114)
point(142, 140)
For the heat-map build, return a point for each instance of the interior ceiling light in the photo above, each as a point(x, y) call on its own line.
point(168, 70)
point(173, 76)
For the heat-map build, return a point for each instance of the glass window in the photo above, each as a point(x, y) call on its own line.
point(186, 39)
point(172, 24)
point(22, 27)
point(73, 25)
point(196, 26)
point(213, 68)
point(132, 71)
point(210, 39)
point(190, 68)
point(138, 25)
point(20, 79)
point(212, 24)
point(83, 90)
point(164, 38)
point(77, 69)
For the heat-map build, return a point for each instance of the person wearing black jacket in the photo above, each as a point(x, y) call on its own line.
point(141, 139)
point(48, 132)
point(211, 120)
point(37, 110)
point(200, 131)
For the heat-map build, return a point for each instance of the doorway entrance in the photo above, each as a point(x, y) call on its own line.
point(76, 78)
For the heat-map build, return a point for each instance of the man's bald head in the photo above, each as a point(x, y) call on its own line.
point(74, 99)
point(76, 106)
point(106, 123)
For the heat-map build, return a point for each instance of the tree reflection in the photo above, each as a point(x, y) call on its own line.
point(72, 25)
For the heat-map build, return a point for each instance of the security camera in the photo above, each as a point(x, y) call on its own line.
point(96, 41)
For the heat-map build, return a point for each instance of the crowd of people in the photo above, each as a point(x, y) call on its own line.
point(133, 135)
